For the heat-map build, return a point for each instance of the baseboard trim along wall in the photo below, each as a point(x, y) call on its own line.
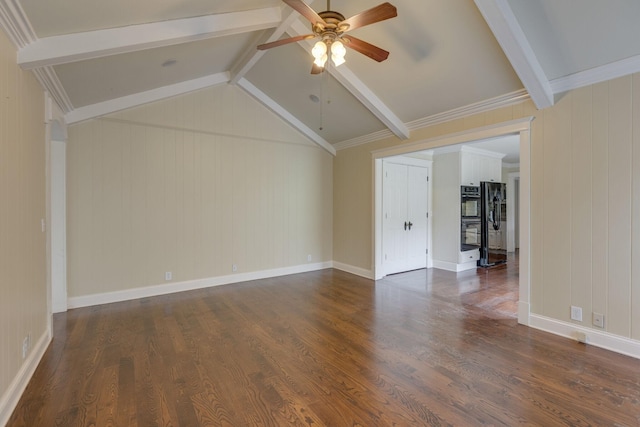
point(594, 337)
point(367, 274)
point(189, 285)
point(13, 394)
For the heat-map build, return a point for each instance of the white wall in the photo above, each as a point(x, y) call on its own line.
point(192, 185)
point(23, 287)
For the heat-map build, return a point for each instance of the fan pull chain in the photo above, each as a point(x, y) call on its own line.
point(322, 83)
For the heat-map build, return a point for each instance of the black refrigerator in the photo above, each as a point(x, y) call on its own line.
point(493, 231)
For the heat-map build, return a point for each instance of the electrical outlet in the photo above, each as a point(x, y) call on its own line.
point(234, 268)
point(309, 257)
point(576, 313)
point(168, 276)
point(598, 320)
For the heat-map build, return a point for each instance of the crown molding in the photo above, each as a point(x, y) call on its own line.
point(15, 23)
point(595, 75)
point(447, 116)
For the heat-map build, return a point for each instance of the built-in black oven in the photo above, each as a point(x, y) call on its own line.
point(470, 222)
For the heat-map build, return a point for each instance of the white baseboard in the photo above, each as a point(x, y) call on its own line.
point(13, 394)
point(596, 338)
point(169, 288)
point(367, 274)
point(452, 266)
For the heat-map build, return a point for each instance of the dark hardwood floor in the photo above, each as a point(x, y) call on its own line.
point(424, 348)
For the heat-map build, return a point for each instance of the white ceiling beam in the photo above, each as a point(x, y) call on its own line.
point(242, 67)
point(359, 90)
point(514, 43)
point(130, 101)
point(94, 44)
point(285, 115)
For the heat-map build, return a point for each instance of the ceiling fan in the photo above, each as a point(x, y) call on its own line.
point(330, 27)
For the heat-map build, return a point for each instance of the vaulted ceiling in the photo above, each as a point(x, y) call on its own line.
point(447, 57)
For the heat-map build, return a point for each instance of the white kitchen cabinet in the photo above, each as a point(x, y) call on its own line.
point(476, 167)
point(455, 167)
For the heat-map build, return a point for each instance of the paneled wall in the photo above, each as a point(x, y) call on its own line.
point(585, 202)
point(192, 186)
point(23, 291)
point(586, 159)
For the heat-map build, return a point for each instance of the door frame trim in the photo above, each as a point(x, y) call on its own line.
point(519, 126)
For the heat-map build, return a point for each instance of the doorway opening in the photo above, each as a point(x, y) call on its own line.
point(522, 129)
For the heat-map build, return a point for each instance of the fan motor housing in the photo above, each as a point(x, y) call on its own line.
point(332, 19)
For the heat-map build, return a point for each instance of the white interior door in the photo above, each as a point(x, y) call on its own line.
point(404, 220)
point(394, 217)
point(417, 208)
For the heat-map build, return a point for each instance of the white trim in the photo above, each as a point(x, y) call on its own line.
point(50, 82)
point(511, 210)
point(476, 108)
point(189, 285)
point(264, 99)
point(357, 88)
point(367, 274)
point(523, 313)
point(137, 99)
point(469, 149)
point(12, 395)
point(57, 226)
point(485, 132)
point(595, 337)
point(514, 43)
point(75, 47)
point(15, 23)
point(452, 266)
point(595, 75)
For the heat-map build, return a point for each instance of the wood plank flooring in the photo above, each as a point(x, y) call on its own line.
point(424, 348)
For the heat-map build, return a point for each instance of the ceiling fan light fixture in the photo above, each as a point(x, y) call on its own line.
point(338, 52)
point(319, 52)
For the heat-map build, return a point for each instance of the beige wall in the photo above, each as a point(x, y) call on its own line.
point(585, 202)
point(192, 185)
point(23, 291)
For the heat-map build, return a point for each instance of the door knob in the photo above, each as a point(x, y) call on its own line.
point(410, 224)
point(405, 226)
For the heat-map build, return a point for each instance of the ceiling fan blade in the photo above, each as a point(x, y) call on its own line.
point(303, 9)
point(373, 52)
point(285, 41)
point(371, 16)
point(315, 69)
